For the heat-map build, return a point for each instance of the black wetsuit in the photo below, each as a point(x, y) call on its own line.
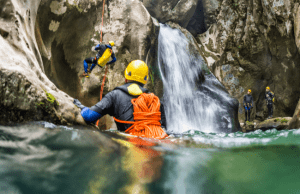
point(269, 98)
point(248, 103)
point(117, 103)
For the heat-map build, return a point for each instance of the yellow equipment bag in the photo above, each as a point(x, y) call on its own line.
point(105, 57)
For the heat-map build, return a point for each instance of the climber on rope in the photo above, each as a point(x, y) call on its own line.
point(248, 104)
point(134, 109)
point(102, 57)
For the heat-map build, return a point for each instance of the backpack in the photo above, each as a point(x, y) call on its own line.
point(105, 57)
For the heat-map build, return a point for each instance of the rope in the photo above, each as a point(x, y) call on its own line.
point(146, 116)
point(103, 81)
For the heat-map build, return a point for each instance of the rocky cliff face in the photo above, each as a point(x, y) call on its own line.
point(25, 91)
point(44, 43)
point(248, 44)
point(254, 44)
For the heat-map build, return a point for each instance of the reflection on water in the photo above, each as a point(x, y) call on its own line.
point(36, 159)
point(44, 158)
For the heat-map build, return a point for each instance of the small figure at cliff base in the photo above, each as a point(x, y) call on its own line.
point(104, 53)
point(270, 98)
point(248, 104)
point(135, 111)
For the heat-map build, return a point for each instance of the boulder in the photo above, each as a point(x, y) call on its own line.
point(248, 126)
point(251, 46)
point(177, 11)
point(25, 91)
point(295, 122)
point(278, 123)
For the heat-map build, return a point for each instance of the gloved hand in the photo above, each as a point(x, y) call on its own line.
point(78, 104)
point(246, 108)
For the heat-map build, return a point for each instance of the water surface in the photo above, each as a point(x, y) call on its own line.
point(44, 158)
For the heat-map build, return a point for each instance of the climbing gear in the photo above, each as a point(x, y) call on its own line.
point(105, 57)
point(146, 116)
point(249, 90)
point(137, 71)
point(267, 87)
point(112, 43)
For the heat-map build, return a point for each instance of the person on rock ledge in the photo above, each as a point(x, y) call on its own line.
point(270, 97)
point(121, 103)
point(248, 104)
point(102, 57)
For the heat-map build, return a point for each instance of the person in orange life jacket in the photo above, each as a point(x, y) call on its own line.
point(117, 103)
point(93, 60)
point(248, 104)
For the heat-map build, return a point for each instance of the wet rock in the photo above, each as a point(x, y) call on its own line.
point(251, 46)
point(177, 11)
point(295, 122)
point(46, 67)
point(248, 126)
point(278, 123)
point(25, 91)
point(126, 22)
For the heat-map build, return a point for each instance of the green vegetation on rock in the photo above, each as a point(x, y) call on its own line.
point(284, 120)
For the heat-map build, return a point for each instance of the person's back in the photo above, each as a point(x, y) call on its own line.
point(118, 103)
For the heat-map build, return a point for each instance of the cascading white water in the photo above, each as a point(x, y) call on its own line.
point(189, 104)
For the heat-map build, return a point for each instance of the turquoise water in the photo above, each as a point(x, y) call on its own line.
point(44, 158)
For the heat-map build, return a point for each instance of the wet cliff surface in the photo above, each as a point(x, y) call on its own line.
point(254, 44)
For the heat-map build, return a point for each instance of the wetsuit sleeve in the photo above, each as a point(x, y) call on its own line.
point(105, 106)
point(163, 120)
point(244, 102)
point(97, 47)
point(252, 100)
point(114, 59)
point(90, 116)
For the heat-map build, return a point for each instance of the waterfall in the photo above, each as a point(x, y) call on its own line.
point(193, 98)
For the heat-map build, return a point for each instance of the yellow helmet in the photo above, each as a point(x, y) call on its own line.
point(137, 70)
point(112, 43)
point(249, 90)
point(267, 87)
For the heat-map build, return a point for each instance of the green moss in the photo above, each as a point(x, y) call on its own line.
point(51, 98)
point(284, 120)
point(40, 103)
point(151, 78)
point(249, 123)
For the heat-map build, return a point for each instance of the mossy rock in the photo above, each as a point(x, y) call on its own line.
point(51, 98)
